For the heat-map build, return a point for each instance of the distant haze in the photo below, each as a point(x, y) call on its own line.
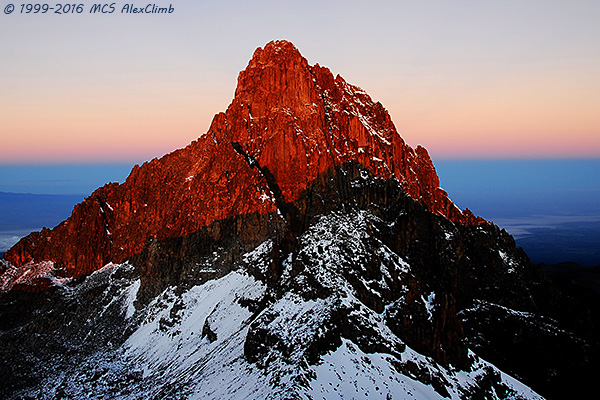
point(552, 207)
point(77, 179)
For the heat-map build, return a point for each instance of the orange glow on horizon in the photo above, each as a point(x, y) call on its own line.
point(491, 80)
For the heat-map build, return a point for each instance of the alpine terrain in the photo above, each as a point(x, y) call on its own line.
point(297, 250)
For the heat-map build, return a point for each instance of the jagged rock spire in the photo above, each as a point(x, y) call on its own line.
point(288, 123)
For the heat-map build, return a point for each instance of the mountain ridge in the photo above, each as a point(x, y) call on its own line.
point(299, 239)
point(340, 271)
point(287, 117)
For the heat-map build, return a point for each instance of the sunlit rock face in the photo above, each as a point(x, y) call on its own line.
point(298, 250)
point(288, 123)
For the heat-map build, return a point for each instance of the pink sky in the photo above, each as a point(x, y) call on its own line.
point(498, 79)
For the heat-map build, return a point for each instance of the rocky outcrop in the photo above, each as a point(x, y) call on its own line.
point(301, 227)
point(353, 260)
point(292, 119)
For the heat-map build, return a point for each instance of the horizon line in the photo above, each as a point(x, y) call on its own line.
point(26, 163)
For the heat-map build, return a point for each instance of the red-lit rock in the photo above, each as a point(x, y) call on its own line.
point(292, 119)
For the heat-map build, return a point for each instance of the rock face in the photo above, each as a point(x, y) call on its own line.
point(353, 289)
point(298, 250)
point(288, 123)
point(353, 273)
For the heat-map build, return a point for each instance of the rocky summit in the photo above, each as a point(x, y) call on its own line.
point(288, 123)
point(298, 249)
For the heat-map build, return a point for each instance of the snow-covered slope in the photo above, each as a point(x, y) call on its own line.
point(308, 337)
point(299, 249)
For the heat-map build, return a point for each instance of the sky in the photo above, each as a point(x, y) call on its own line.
point(465, 79)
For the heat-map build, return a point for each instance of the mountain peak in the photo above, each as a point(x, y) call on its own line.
point(278, 68)
point(297, 243)
point(276, 51)
point(288, 124)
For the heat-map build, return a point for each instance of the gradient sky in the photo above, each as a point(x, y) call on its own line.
point(466, 79)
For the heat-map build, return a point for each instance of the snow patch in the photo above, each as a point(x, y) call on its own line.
point(348, 373)
point(169, 347)
point(508, 261)
point(130, 296)
point(429, 305)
